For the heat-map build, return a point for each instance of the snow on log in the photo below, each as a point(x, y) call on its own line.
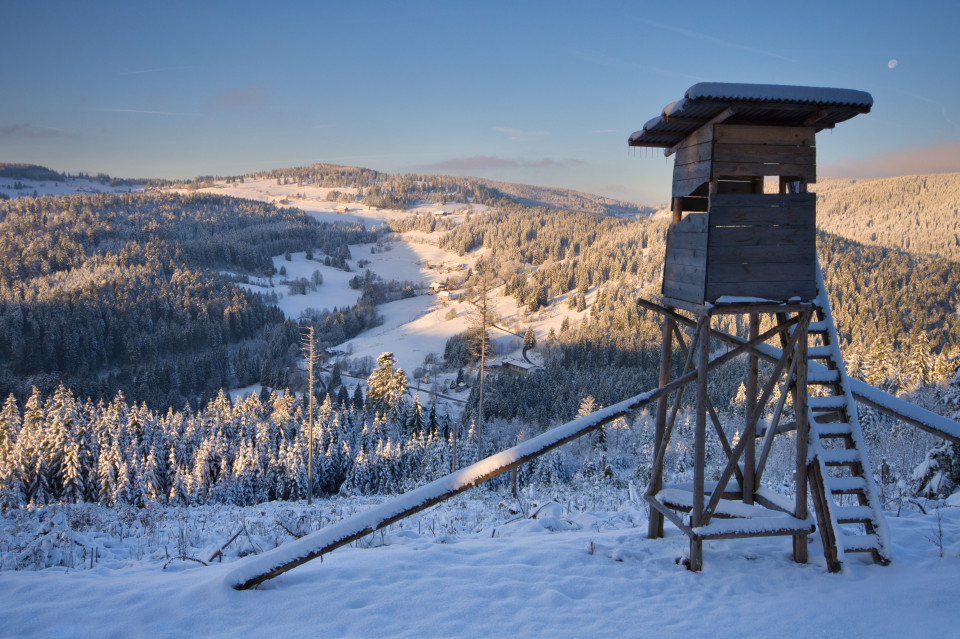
point(911, 413)
point(254, 570)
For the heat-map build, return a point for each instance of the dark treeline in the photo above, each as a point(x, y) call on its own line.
point(109, 293)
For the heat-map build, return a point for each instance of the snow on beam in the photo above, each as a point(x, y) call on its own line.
point(884, 402)
point(254, 570)
point(912, 414)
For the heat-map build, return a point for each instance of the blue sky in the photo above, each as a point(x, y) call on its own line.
point(533, 92)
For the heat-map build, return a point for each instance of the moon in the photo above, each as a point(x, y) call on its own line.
point(892, 63)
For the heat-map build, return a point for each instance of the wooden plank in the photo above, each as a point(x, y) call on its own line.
point(772, 236)
point(741, 254)
point(763, 134)
point(750, 482)
point(672, 516)
point(759, 216)
point(683, 271)
point(730, 187)
point(807, 172)
point(655, 520)
point(700, 443)
point(803, 289)
point(687, 255)
point(922, 418)
point(756, 527)
point(701, 136)
point(279, 560)
point(696, 241)
point(692, 223)
point(762, 271)
point(691, 170)
point(764, 153)
point(803, 431)
point(683, 291)
point(726, 210)
point(693, 153)
point(705, 132)
point(765, 199)
point(686, 186)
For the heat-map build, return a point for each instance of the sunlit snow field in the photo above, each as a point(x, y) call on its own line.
point(477, 566)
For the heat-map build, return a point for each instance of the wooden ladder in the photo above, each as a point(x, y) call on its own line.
point(841, 482)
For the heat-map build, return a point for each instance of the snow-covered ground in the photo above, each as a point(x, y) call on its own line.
point(413, 328)
point(313, 200)
point(70, 186)
point(471, 568)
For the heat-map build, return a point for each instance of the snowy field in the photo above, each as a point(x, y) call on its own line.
point(468, 568)
point(70, 186)
point(313, 200)
point(413, 328)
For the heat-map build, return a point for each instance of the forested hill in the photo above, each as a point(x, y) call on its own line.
point(400, 191)
point(109, 293)
point(889, 304)
point(556, 198)
point(915, 213)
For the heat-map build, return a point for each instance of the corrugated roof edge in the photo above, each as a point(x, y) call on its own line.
point(777, 93)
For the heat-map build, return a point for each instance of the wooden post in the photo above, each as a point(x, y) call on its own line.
point(700, 443)
point(308, 352)
point(655, 522)
point(800, 408)
point(750, 426)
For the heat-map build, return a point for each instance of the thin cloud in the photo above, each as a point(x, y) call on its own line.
point(253, 97)
point(157, 70)
point(604, 60)
point(146, 111)
point(518, 134)
point(30, 132)
point(712, 40)
point(941, 105)
point(939, 158)
point(489, 162)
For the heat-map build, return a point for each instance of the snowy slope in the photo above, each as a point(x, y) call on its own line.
point(564, 574)
point(70, 186)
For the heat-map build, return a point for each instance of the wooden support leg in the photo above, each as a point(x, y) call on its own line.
point(700, 443)
point(800, 408)
point(655, 524)
point(827, 533)
point(750, 428)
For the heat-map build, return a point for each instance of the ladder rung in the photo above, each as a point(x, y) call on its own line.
point(853, 514)
point(820, 352)
point(830, 418)
point(819, 327)
point(840, 456)
point(827, 402)
point(833, 429)
point(860, 543)
point(823, 376)
point(845, 485)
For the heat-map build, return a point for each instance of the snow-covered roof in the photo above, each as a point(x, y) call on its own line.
point(820, 107)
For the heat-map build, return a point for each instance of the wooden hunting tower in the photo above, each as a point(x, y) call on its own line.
point(736, 240)
point(737, 248)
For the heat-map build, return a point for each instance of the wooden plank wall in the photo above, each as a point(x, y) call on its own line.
point(685, 264)
point(743, 150)
point(762, 246)
point(691, 168)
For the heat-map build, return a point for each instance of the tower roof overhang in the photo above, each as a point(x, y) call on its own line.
point(785, 105)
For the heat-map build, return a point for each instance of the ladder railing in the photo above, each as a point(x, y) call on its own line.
point(839, 467)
